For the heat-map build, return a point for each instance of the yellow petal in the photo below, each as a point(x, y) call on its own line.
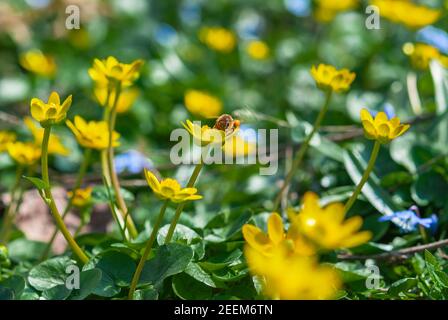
point(366, 116)
point(54, 99)
point(275, 228)
point(380, 118)
point(256, 238)
point(153, 183)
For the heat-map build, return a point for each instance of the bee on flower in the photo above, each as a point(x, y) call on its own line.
point(381, 128)
point(24, 153)
point(92, 134)
point(37, 62)
point(51, 112)
point(328, 78)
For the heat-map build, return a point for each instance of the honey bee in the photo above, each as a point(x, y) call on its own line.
point(226, 123)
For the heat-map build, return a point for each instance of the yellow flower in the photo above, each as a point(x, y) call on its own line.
point(291, 276)
point(55, 145)
point(258, 50)
point(326, 10)
point(326, 227)
point(125, 100)
point(170, 189)
point(110, 71)
point(328, 77)
point(381, 128)
point(92, 134)
point(276, 237)
point(24, 153)
point(421, 55)
point(51, 112)
point(36, 62)
point(6, 137)
point(202, 104)
point(219, 39)
point(405, 12)
point(81, 197)
point(238, 147)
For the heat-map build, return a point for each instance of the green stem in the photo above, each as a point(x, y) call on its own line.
point(81, 173)
point(365, 177)
point(9, 212)
point(300, 154)
point(52, 204)
point(111, 167)
point(147, 251)
point(180, 207)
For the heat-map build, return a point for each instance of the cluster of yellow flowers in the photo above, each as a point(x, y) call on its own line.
point(288, 261)
point(407, 13)
point(326, 10)
point(218, 39)
point(328, 77)
point(421, 55)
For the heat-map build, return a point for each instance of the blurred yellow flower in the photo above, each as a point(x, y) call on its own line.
point(37, 62)
point(109, 72)
point(257, 50)
point(326, 227)
point(92, 134)
point(326, 10)
point(405, 12)
point(291, 276)
point(24, 153)
point(238, 147)
point(219, 39)
point(81, 197)
point(6, 137)
point(421, 55)
point(202, 104)
point(381, 128)
point(55, 145)
point(170, 189)
point(328, 77)
point(276, 237)
point(51, 112)
point(125, 100)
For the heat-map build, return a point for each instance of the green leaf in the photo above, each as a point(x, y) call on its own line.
point(188, 288)
point(379, 198)
point(6, 293)
point(402, 285)
point(37, 182)
point(59, 292)
point(89, 280)
point(185, 235)
point(16, 283)
point(146, 294)
point(170, 259)
point(195, 271)
point(436, 194)
point(50, 273)
point(221, 260)
point(26, 250)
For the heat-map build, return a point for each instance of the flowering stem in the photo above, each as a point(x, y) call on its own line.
point(52, 204)
point(300, 154)
point(370, 165)
point(180, 207)
point(81, 173)
point(147, 251)
point(111, 168)
point(9, 215)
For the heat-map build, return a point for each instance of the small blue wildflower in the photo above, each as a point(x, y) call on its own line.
point(299, 8)
point(408, 220)
point(165, 35)
point(250, 25)
point(132, 161)
point(190, 12)
point(435, 37)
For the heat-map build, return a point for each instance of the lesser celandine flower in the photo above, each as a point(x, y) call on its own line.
point(219, 39)
point(225, 127)
point(381, 128)
point(407, 13)
point(51, 112)
point(81, 197)
point(257, 50)
point(291, 276)
point(202, 104)
point(170, 189)
point(125, 100)
point(6, 138)
point(326, 226)
point(276, 237)
point(92, 134)
point(37, 62)
point(326, 10)
point(328, 77)
point(24, 153)
point(111, 71)
point(55, 145)
point(421, 55)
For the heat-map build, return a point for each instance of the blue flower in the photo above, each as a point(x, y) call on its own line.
point(165, 35)
point(299, 8)
point(408, 220)
point(435, 37)
point(132, 161)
